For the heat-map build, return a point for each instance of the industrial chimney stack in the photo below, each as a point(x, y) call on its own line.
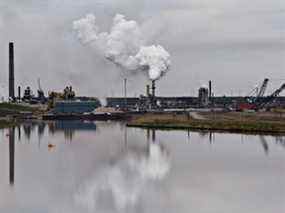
point(11, 72)
point(19, 93)
point(147, 91)
point(210, 89)
point(153, 88)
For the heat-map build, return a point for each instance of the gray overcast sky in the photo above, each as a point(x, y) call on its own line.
point(236, 43)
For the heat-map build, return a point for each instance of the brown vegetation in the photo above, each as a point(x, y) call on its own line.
point(232, 121)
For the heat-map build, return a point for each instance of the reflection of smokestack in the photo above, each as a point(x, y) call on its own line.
point(11, 71)
point(153, 136)
point(126, 137)
point(19, 133)
point(147, 91)
point(147, 134)
point(11, 154)
point(153, 88)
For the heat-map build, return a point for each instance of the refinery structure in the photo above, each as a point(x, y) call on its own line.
point(67, 102)
point(203, 101)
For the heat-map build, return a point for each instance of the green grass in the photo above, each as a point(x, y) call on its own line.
point(16, 107)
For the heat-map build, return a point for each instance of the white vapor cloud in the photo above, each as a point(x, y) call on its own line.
point(124, 45)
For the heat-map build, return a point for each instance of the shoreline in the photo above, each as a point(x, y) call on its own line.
point(201, 129)
point(231, 122)
point(246, 125)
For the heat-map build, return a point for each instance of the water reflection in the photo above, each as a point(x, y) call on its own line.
point(69, 129)
point(41, 129)
point(19, 133)
point(110, 168)
point(125, 179)
point(280, 140)
point(28, 128)
point(264, 144)
point(11, 155)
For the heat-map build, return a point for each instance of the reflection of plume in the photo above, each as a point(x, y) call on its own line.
point(124, 45)
point(156, 165)
point(125, 180)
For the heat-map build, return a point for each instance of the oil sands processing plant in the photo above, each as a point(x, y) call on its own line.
point(67, 102)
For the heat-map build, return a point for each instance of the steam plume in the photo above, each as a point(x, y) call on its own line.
point(124, 45)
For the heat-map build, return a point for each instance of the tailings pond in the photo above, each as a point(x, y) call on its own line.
point(104, 167)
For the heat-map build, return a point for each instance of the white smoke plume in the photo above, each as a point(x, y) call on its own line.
point(124, 45)
point(86, 28)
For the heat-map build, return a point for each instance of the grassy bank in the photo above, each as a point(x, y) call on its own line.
point(10, 111)
point(16, 107)
point(13, 109)
point(218, 122)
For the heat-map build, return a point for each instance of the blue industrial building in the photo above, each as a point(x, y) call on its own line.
point(76, 107)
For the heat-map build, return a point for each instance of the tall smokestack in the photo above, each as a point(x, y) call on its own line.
point(19, 93)
point(11, 72)
point(210, 89)
point(153, 88)
point(147, 91)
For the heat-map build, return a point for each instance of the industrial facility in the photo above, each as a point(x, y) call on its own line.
point(67, 102)
point(204, 100)
point(56, 102)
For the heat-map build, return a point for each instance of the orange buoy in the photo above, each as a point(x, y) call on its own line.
point(51, 145)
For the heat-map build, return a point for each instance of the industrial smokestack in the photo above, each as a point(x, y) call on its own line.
point(147, 91)
point(11, 72)
point(19, 93)
point(153, 88)
point(210, 89)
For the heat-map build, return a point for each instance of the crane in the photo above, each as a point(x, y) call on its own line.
point(257, 92)
point(260, 101)
point(271, 98)
point(262, 88)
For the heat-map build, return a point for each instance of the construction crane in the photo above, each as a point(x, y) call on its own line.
point(269, 99)
point(257, 92)
point(262, 88)
point(260, 101)
point(251, 96)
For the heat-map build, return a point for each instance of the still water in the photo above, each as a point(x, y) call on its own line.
point(99, 167)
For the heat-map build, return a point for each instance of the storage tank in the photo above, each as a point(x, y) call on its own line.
point(203, 96)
